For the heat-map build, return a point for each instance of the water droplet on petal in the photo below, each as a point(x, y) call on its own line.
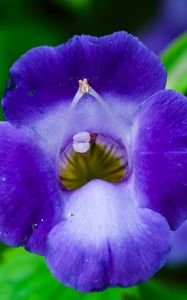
point(3, 178)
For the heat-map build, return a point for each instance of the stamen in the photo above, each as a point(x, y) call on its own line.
point(82, 146)
point(75, 100)
point(103, 104)
point(108, 111)
point(84, 86)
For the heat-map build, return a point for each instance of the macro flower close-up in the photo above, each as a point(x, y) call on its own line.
point(93, 160)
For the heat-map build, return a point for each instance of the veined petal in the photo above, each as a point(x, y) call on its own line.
point(27, 189)
point(105, 240)
point(160, 156)
point(60, 125)
point(45, 77)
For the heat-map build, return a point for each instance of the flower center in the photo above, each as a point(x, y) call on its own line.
point(92, 156)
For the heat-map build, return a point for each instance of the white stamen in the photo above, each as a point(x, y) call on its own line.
point(76, 99)
point(82, 137)
point(85, 88)
point(104, 105)
point(81, 147)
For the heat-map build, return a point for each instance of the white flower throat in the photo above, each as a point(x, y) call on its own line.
point(91, 155)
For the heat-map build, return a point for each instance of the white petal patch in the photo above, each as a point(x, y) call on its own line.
point(100, 211)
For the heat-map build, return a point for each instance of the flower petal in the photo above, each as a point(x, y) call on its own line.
point(160, 156)
point(104, 240)
point(27, 189)
point(59, 126)
point(45, 77)
point(178, 253)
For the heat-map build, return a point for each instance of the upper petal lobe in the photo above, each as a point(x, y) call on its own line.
point(44, 77)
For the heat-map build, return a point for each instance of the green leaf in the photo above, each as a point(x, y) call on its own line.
point(77, 6)
point(2, 249)
point(175, 61)
point(155, 290)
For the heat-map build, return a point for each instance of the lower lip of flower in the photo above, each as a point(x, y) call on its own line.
point(101, 158)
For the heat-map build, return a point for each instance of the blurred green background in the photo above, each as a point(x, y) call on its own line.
point(28, 23)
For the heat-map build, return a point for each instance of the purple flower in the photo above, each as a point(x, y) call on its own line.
point(93, 176)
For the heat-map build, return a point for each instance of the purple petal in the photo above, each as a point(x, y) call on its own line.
point(105, 240)
point(27, 189)
point(59, 126)
point(46, 77)
point(160, 156)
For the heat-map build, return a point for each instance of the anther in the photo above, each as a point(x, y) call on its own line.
point(84, 86)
